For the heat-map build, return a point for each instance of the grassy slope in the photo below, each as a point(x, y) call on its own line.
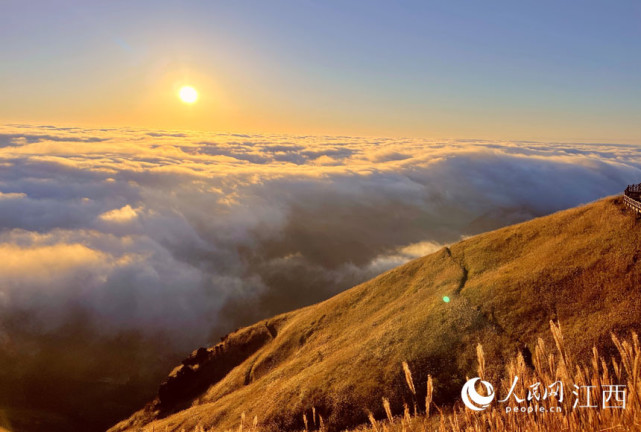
point(577, 266)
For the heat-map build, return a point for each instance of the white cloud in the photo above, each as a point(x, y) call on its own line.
point(121, 215)
point(7, 196)
point(420, 249)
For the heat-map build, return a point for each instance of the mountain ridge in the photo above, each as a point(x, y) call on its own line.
point(578, 266)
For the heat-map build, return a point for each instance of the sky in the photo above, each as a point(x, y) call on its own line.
point(541, 70)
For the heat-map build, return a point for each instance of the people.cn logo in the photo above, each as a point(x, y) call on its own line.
point(472, 399)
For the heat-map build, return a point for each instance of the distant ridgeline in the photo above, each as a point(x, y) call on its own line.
point(632, 198)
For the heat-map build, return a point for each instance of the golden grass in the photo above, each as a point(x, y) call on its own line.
point(548, 367)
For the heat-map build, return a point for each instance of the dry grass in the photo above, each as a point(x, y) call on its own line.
point(548, 368)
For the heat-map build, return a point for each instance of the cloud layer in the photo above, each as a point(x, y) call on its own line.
point(192, 234)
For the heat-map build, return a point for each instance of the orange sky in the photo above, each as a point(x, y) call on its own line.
point(551, 72)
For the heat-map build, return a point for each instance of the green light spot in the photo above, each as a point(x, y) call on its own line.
point(446, 299)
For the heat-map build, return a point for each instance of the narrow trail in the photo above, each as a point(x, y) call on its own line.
point(489, 317)
point(463, 280)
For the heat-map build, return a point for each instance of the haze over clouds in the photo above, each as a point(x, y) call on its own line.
point(195, 234)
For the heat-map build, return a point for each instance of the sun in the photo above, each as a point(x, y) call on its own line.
point(188, 94)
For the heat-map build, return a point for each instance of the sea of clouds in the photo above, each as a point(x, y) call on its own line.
point(196, 233)
point(123, 249)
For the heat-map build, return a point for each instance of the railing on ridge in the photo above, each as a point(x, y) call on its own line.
point(632, 197)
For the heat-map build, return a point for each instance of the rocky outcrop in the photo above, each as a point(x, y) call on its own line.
point(206, 366)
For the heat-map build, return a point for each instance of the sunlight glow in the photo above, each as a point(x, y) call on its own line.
point(188, 94)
